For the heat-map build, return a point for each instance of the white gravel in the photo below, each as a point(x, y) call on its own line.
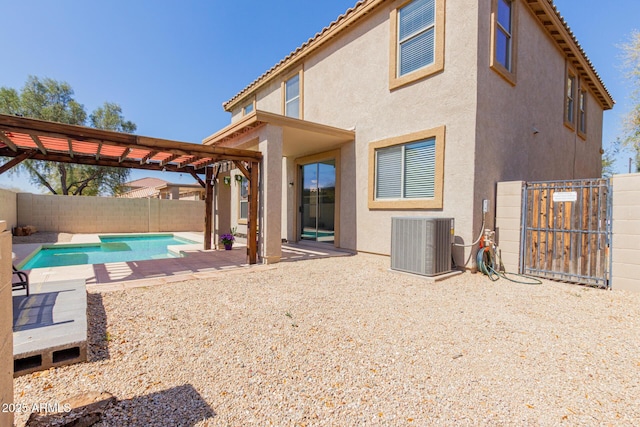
point(344, 341)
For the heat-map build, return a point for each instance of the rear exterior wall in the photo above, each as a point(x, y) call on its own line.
point(346, 85)
point(507, 147)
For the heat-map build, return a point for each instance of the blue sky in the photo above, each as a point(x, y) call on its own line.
point(170, 65)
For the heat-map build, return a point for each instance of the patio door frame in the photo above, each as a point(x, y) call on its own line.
point(297, 215)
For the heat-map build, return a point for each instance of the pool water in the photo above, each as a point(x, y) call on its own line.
point(111, 249)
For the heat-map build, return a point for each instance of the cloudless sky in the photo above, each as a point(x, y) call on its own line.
point(171, 64)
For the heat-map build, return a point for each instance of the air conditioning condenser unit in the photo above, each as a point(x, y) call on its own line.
point(421, 245)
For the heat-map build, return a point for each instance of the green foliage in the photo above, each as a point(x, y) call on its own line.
point(48, 99)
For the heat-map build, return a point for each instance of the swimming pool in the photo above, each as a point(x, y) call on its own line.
point(122, 248)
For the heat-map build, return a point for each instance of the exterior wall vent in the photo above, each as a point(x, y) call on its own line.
point(421, 245)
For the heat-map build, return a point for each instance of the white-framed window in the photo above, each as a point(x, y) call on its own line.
point(582, 113)
point(504, 34)
point(570, 99)
point(292, 97)
point(247, 108)
point(416, 36)
point(406, 171)
point(243, 212)
point(504, 28)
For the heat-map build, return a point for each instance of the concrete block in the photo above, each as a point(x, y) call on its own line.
point(625, 284)
point(510, 188)
point(628, 182)
point(511, 225)
point(629, 271)
point(626, 212)
point(622, 228)
point(626, 256)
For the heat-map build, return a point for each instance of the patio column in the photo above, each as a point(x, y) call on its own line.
point(270, 145)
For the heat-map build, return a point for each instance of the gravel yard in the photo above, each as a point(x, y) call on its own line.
point(344, 341)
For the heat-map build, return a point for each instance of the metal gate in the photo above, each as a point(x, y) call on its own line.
point(566, 231)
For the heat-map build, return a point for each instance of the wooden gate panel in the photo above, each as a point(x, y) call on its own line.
point(567, 231)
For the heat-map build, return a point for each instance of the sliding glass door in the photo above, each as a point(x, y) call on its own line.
point(318, 201)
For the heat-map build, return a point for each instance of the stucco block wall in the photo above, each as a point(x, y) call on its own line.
point(9, 208)
point(73, 214)
point(183, 215)
point(6, 325)
point(626, 232)
point(508, 223)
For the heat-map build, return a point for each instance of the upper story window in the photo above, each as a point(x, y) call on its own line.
point(292, 97)
point(582, 113)
point(407, 172)
point(570, 99)
point(417, 33)
point(247, 109)
point(243, 212)
point(503, 38)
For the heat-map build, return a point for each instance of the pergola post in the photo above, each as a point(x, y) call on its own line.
point(252, 220)
point(208, 202)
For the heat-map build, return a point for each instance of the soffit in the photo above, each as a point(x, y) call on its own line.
point(300, 137)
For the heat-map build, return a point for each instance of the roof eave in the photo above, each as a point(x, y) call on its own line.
point(342, 23)
point(557, 28)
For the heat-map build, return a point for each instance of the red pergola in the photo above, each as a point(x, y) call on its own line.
point(23, 138)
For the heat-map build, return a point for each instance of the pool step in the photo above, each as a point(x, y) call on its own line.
point(50, 326)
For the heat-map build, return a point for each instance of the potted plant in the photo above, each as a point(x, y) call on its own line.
point(227, 240)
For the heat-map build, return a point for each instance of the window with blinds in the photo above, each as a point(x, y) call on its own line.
point(416, 36)
point(406, 171)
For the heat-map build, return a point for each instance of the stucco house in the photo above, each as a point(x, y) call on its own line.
point(156, 188)
point(413, 108)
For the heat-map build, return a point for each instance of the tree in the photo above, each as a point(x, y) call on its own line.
point(631, 54)
point(48, 99)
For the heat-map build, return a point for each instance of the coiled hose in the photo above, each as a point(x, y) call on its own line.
point(487, 265)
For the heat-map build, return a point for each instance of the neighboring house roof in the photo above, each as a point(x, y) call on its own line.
point(151, 187)
point(146, 182)
point(544, 10)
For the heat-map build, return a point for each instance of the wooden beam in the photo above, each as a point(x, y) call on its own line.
point(70, 148)
point(169, 160)
point(98, 150)
point(90, 160)
point(39, 143)
point(4, 138)
point(244, 170)
point(146, 158)
point(252, 220)
point(197, 178)
point(124, 155)
point(204, 164)
point(16, 160)
point(208, 212)
point(188, 161)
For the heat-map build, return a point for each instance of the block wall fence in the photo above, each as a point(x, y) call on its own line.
point(6, 325)
point(73, 214)
point(625, 245)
